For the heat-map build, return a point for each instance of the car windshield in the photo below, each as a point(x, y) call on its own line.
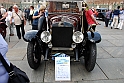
point(101, 10)
point(64, 6)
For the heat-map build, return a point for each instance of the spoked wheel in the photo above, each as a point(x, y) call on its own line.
point(33, 55)
point(90, 57)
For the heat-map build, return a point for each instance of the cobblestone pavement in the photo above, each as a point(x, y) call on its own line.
point(109, 67)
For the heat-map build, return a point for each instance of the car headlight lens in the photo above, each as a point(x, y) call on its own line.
point(77, 37)
point(46, 36)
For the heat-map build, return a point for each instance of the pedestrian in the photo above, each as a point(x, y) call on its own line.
point(90, 18)
point(25, 12)
point(4, 76)
point(3, 11)
point(8, 16)
point(0, 16)
point(115, 18)
point(107, 17)
point(19, 21)
point(121, 19)
point(111, 17)
point(36, 17)
point(31, 14)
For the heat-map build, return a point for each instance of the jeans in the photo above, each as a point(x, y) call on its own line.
point(34, 27)
point(11, 27)
point(106, 22)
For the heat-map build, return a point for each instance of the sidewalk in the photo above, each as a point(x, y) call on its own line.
point(109, 67)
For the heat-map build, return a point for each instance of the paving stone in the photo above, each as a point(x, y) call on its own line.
point(35, 76)
point(106, 32)
point(113, 68)
point(118, 36)
point(107, 37)
point(104, 43)
point(54, 82)
point(78, 72)
point(103, 81)
point(101, 53)
point(16, 53)
point(21, 44)
point(12, 44)
point(117, 42)
point(115, 51)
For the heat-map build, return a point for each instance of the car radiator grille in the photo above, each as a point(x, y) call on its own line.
point(62, 36)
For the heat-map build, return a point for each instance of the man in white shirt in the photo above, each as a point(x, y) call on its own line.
point(3, 11)
point(18, 16)
point(121, 20)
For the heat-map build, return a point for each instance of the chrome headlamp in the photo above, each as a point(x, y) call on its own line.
point(46, 36)
point(77, 37)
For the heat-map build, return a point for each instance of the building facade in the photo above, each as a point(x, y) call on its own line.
point(110, 4)
point(8, 3)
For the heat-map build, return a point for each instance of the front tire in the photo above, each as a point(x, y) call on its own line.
point(90, 57)
point(33, 55)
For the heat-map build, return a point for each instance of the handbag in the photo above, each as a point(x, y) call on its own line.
point(22, 22)
point(16, 75)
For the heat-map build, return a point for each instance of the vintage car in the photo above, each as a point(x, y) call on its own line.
point(64, 30)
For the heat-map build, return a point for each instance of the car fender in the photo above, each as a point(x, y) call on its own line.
point(29, 35)
point(94, 37)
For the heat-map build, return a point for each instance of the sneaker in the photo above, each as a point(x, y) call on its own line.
point(11, 34)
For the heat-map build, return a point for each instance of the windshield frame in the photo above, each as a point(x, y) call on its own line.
point(70, 6)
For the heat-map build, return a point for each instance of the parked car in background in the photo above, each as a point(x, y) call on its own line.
point(101, 13)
